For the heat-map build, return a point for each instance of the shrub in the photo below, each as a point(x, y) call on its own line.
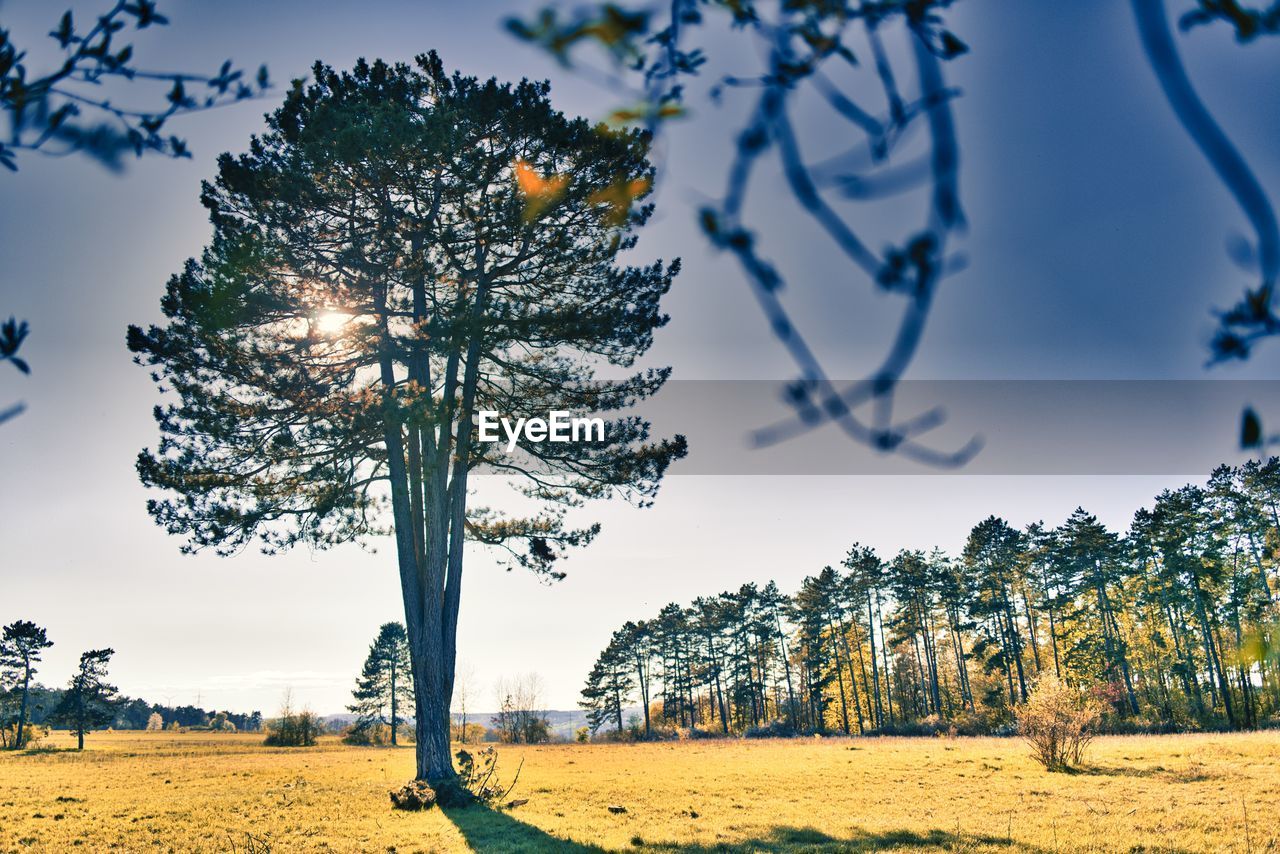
point(611, 736)
point(376, 735)
point(220, 723)
point(773, 729)
point(1059, 721)
point(695, 734)
point(155, 723)
point(32, 735)
point(293, 729)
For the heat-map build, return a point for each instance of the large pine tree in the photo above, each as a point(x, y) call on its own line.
point(403, 249)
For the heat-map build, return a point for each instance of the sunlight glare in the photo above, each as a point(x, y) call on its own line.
point(331, 322)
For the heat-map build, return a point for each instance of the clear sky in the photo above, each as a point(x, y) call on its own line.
point(1095, 251)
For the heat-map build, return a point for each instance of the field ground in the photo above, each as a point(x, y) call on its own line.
point(205, 792)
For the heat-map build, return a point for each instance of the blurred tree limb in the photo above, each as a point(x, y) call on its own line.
point(1253, 317)
point(12, 334)
point(808, 49)
point(65, 111)
point(804, 44)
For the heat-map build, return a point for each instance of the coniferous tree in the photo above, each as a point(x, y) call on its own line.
point(22, 643)
point(609, 685)
point(865, 574)
point(708, 622)
point(991, 554)
point(384, 688)
point(402, 250)
point(1091, 576)
point(636, 644)
point(89, 702)
point(817, 653)
point(773, 604)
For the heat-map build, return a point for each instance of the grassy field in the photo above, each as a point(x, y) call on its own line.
point(203, 792)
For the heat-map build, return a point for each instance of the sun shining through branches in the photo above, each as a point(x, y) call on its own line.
point(332, 323)
point(402, 250)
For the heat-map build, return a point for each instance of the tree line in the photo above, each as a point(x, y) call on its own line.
point(88, 702)
point(1173, 623)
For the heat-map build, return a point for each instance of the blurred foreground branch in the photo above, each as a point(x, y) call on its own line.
point(810, 50)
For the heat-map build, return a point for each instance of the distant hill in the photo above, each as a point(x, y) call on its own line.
point(563, 723)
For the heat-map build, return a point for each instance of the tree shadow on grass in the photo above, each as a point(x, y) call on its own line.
point(789, 839)
point(1183, 775)
point(490, 831)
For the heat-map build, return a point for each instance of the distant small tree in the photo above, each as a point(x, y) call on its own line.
point(385, 683)
point(1058, 721)
point(21, 645)
point(462, 679)
point(293, 728)
point(155, 723)
point(520, 718)
point(89, 702)
point(220, 723)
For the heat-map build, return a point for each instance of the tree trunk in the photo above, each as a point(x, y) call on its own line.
point(642, 677)
point(866, 681)
point(22, 709)
point(1186, 670)
point(1031, 629)
point(844, 707)
point(1053, 638)
point(393, 704)
point(786, 668)
point(931, 654)
point(429, 548)
point(957, 647)
point(884, 653)
point(1016, 640)
point(617, 705)
point(853, 679)
point(875, 670)
point(1004, 659)
point(80, 724)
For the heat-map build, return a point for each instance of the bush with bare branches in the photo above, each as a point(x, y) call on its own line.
point(1059, 721)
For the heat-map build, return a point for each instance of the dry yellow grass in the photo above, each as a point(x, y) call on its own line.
point(163, 791)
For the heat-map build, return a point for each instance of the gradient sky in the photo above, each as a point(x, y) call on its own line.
point(1095, 251)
